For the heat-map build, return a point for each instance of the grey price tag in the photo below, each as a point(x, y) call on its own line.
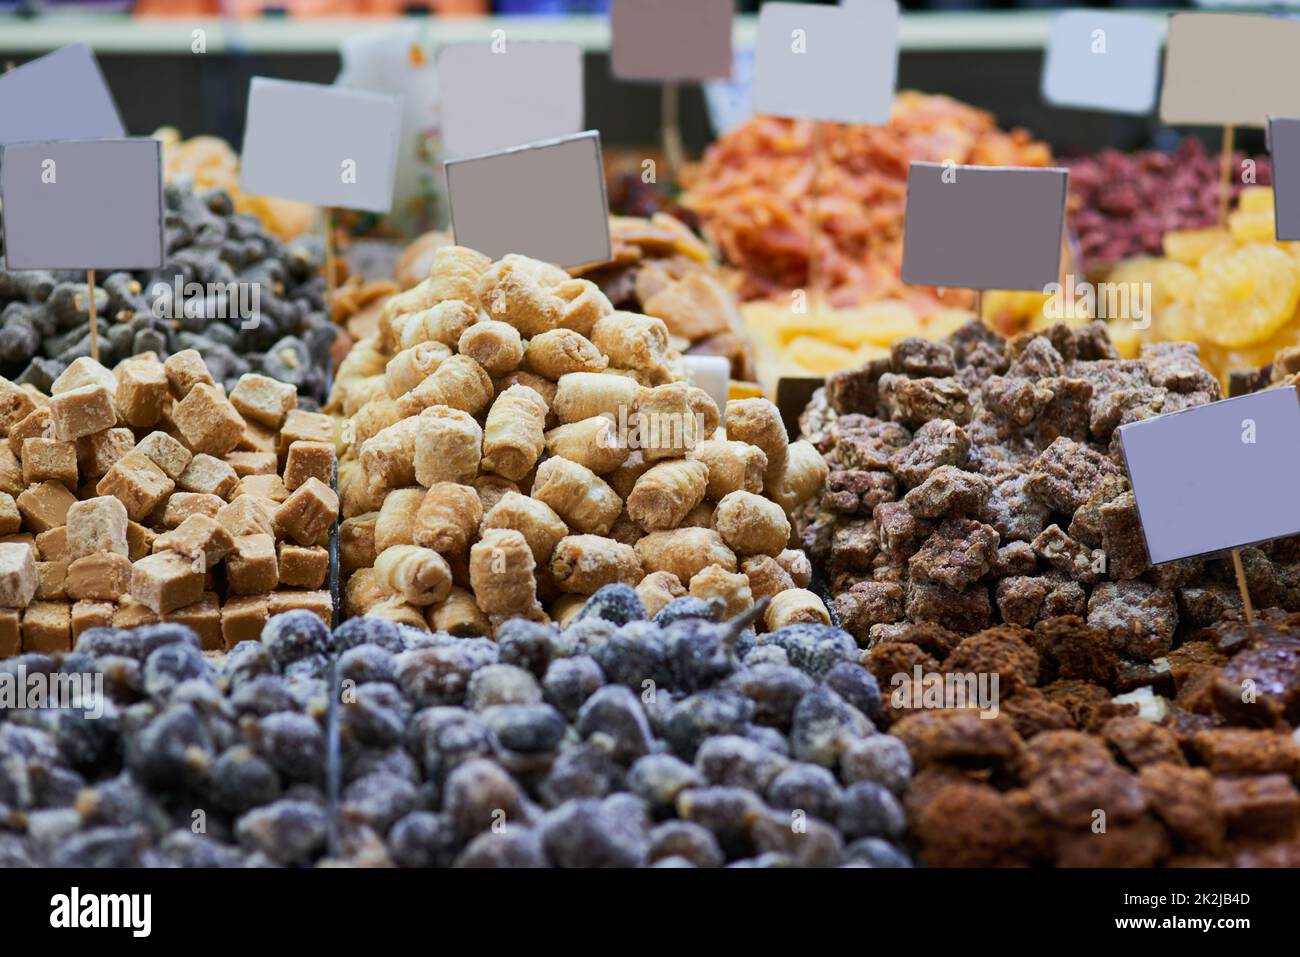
point(61, 96)
point(686, 40)
point(1098, 60)
point(1284, 146)
point(983, 227)
point(1217, 476)
point(87, 204)
point(545, 200)
point(324, 145)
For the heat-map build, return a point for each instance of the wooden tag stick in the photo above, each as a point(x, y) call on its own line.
point(979, 305)
point(1225, 174)
point(329, 259)
point(90, 313)
point(670, 106)
point(814, 220)
point(1241, 586)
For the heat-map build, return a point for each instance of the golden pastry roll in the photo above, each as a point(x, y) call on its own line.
point(581, 564)
point(582, 395)
point(520, 291)
point(751, 524)
point(664, 495)
point(684, 552)
point(657, 589)
point(594, 443)
point(667, 425)
point(371, 419)
point(458, 382)
point(388, 458)
point(448, 446)
point(585, 304)
point(412, 366)
point(729, 587)
point(578, 496)
point(419, 575)
point(733, 466)
point(797, 566)
point(533, 519)
point(766, 576)
point(396, 522)
point(454, 273)
point(494, 345)
point(758, 422)
point(795, 606)
point(448, 518)
point(444, 323)
point(561, 351)
point(458, 615)
point(501, 574)
point(804, 476)
point(491, 489)
point(514, 434)
point(631, 340)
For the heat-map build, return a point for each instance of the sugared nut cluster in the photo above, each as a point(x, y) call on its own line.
point(513, 443)
point(145, 493)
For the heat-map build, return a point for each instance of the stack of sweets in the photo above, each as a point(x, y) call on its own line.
point(145, 493)
point(513, 443)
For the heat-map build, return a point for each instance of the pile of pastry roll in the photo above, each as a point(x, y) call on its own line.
point(146, 493)
point(512, 444)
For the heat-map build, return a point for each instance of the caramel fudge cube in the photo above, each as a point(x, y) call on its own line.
point(357, 543)
point(45, 506)
point(52, 546)
point(204, 617)
point(300, 426)
point(185, 370)
point(263, 400)
point(252, 463)
point(166, 581)
point(319, 603)
point(139, 541)
point(138, 483)
point(104, 576)
point(264, 486)
point(260, 439)
point(168, 453)
point(10, 518)
point(15, 405)
point(308, 460)
point(181, 505)
point(50, 460)
point(242, 619)
point(132, 614)
point(11, 634)
point(303, 567)
point(91, 614)
point(96, 525)
point(207, 421)
point(248, 515)
point(309, 512)
point(141, 391)
point(35, 425)
point(18, 576)
point(82, 412)
point(98, 453)
point(81, 373)
point(198, 535)
point(47, 627)
point(251, 567)
point(208, 475)
point(52, 580)
point(11, 472)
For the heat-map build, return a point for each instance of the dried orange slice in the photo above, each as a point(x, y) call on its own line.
point(1247, 295)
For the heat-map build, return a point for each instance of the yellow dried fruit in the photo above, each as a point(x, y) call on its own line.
point(1252, 227)
point(1256, 199)
point(1189, 245)
point(1247, 295)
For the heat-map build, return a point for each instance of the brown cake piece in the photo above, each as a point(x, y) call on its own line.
point(967, 610)
point(936, 443)
point(1183, 799)
point(1139, 618)
point(1141, 743)
point(957, 554)
point(1028, 599)
point(1067, 474)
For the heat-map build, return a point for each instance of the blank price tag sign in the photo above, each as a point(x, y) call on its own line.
point(1284, 145)
point(496, 96)
point(545, 200)
point(836, 64)
point(61, 96)
point(324, 145)
point(88, 204)
point(983, 227)
point(1217, 476)
point(1229, 69)
point(1102, 61)
point(657, 40)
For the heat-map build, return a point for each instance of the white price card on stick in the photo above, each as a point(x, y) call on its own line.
point(983, 227)
point(1230, 69)
point(545, 200)
point(1216, 477)
point(325, 145)
point(60, 96)
point(83, 204)
point(835, 64)
point(1099, 60)
point(670, 40)
point(508, 93)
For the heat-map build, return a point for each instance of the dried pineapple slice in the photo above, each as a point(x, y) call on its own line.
point(1187, 246)
point(1256, 199)
point(1252, 227)
point(1247, 296)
